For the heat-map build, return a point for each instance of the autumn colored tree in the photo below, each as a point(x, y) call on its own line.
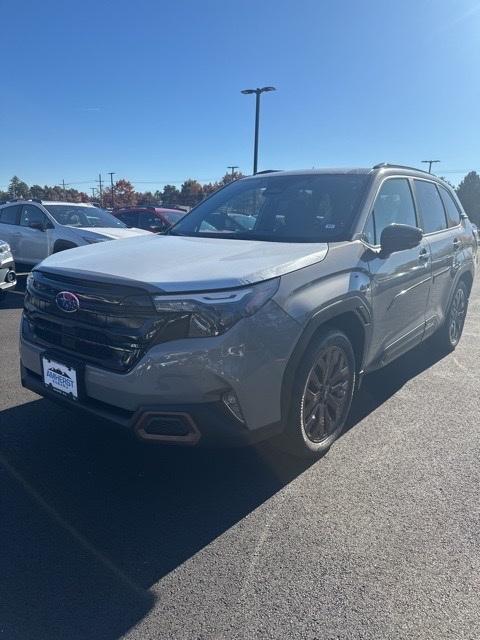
point(124, 194)
point(230, 177)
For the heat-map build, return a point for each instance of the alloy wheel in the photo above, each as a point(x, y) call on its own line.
point(325, 395)
point(457, 316)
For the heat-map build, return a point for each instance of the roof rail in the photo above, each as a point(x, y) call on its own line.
point(37, 200)
point(388, 165)
point(267, 171)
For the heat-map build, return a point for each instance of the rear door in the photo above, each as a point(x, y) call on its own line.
point(33, 243)
point(9, 230)
point(444, 235)
point(401, 281)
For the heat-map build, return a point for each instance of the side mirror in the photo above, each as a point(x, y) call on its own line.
point(35, 224)
point(399, 237)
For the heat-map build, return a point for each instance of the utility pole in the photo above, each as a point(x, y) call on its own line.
point(233, 167)
point(63, 187)
point(430, 162)
point(111, 174)
point(100, 188)
point(93, 192)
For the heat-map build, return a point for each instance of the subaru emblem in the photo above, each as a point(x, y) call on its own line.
point(67, 301)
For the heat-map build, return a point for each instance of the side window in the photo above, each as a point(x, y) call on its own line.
point(9, 215)
point(431, 207)
point(149, 220)
point(31, 214)
point(393, 205)
point(129, 218)
point(453, 214)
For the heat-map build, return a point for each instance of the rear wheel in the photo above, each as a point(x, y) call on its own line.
point(321, 396)
point(450, 332)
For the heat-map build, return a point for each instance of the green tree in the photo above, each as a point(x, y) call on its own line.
point(468, 192)
point(36, 191)
point(170, 195)
point(147, 199)
point(18, 189)
point(191, 192)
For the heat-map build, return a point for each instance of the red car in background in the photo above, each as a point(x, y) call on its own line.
point(156, 219)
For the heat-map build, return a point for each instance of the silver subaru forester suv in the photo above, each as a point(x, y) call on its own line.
point(258, 313)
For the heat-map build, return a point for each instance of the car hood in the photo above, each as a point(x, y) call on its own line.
point(176, 264)
point(114, 233)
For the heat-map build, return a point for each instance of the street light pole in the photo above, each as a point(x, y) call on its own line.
point(232, 167)
point(430, 162)
point(257, 93)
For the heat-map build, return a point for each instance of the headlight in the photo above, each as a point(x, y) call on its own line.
point(92, 240)
point(4, 247)
point(211, 314)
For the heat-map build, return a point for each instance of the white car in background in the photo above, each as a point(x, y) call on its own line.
point(35, 229)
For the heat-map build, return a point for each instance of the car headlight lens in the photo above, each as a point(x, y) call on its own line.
point(4, 247)
point(211, 314)
point(93, 240)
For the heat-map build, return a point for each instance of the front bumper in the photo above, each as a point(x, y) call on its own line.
point(8, 278)
point(208, 423)
point(191, 377)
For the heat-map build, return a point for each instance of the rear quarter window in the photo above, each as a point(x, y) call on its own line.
point(451, 208)
point(430, 205)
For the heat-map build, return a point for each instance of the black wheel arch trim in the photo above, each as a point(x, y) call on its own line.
point(352, 304)
point(460, 275)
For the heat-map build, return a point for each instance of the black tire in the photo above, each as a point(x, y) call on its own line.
point(321, 396)
point(63, 245)
point(449, 334)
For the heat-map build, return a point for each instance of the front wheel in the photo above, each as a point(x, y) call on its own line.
point(321, 396)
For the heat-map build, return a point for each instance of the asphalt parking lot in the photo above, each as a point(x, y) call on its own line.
point(103, 537)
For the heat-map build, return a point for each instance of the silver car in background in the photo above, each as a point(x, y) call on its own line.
point(8, 278)
point(35, 229)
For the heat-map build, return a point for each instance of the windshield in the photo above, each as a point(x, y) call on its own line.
point(173, 216)
point(294, 208)
point(76, 216)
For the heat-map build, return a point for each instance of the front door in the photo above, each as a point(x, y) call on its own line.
point(400, 282)
point(32, 242)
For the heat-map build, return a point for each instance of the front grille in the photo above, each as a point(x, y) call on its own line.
point(114, 326)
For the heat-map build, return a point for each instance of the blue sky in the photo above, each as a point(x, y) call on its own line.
point(151, 89)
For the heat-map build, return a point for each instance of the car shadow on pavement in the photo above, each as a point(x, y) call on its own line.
point(90, 518)
point(379, 386)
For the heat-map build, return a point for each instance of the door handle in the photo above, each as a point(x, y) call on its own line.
point(424, 255)
point(457, 244)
